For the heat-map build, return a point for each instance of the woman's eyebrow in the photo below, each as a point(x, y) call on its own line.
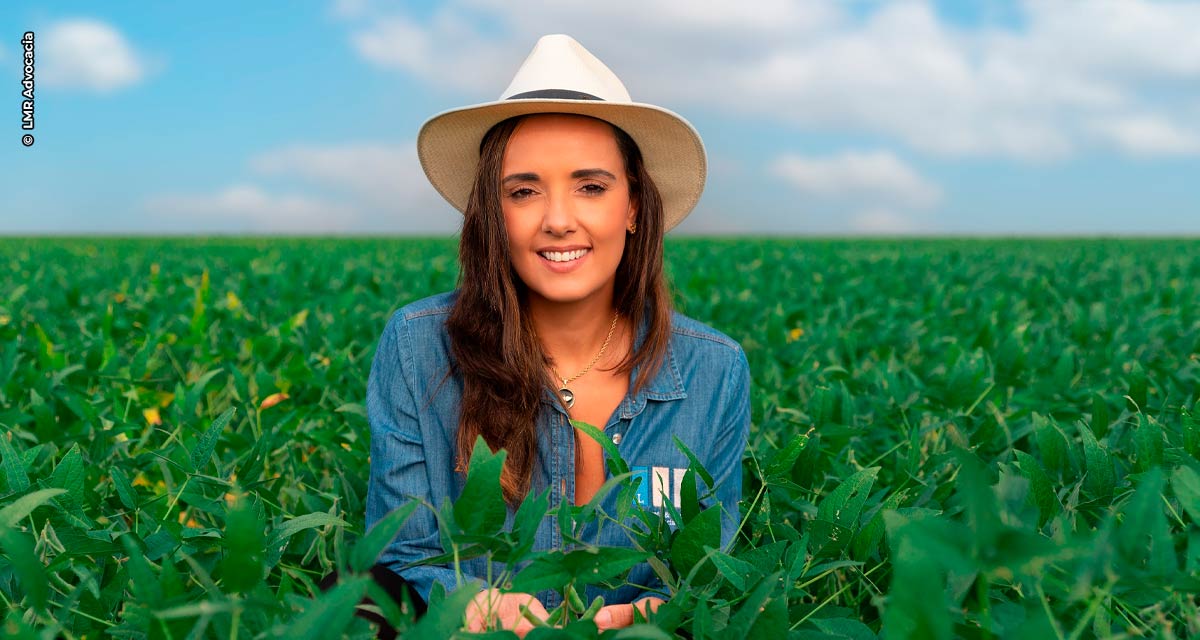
point(576, 174)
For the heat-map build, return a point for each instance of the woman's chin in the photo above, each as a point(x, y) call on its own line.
point(562, 293)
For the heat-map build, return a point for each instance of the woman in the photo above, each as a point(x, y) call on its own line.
point(567, 187)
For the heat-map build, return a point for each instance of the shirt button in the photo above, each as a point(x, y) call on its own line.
point(616, 438)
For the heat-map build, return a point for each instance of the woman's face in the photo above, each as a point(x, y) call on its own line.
point(566, 206)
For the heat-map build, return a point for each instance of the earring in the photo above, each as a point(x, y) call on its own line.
point(633, 228)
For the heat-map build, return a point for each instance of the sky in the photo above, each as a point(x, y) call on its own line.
point(819, 117)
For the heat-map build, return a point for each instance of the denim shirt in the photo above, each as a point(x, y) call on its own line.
point(701, 394)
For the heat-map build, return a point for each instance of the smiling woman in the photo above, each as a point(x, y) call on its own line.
point(562, 313)
point(560, 219)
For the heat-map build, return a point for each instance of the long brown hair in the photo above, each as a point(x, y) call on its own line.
point(503, 367)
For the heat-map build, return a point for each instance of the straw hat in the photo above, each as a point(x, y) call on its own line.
point(560, 76)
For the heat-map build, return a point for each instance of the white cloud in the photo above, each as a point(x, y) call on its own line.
point(374, 170)
point(360, 187)
point(898, 71)
point(872, 191)
point(248, 207)
point(1126, 37)
point(1148, 135)
point(350, 8)
point(875, 176)
point(385, 181)
point(88, 54)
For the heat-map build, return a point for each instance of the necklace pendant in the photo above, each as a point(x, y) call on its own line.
point(568, 396)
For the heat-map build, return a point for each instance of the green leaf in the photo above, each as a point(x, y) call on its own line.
point(14, 468)
point(125, 490)
point(27, 566)
point(1148, 442)
point(871, 534)
point(23, 506)
point(1191, 432)
point(641, 631)
point(371, 545)
point(694, 462)
point(848, 628)
point(445, 614)
point(353, 408)
point(761, 615)
point(142, 583)
point(1138, 384)
point(917, 606)
point(529, 517)
point(580, 567)
point(1041, 492)
point(196, 391)
point(1100, 481)
point(1052, 444)
point(615, 463)
point(974, 490)
point(480, 509)
point(241, 568)
point(208, 441)
point(14, 628)
point(1186, 483)
point(734, 570)
point(688, 547)
point(1101, 416)
point(289, 528)
point(329, 614)
point(838, 512)
point(1143, 539)
point(1064, 369)
point(689, 501)
point(68, 474)
point(782, 460)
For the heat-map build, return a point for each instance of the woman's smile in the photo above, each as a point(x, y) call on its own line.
point(564, 261)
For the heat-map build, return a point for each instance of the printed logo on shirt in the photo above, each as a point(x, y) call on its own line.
point(659, 485)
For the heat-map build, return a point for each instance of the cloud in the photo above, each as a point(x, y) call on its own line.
point(894, 70)
point(377, 172)
point(873, 191)
point(249, 207)
point(874, 176)
point(88, 54)
point(354, 187)
point(383, 181)
point(1148, 135)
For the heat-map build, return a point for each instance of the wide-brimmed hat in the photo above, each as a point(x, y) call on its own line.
point(560, 76)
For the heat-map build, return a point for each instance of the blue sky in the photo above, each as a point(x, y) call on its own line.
point(819, 117)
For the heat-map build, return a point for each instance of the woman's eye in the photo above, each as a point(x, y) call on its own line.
point(597, 191)
point(520, 193)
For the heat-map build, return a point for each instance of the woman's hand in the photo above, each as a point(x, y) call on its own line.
point(615, 616)
point(492, 607)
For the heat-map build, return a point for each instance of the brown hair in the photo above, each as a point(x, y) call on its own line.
point(502, 364)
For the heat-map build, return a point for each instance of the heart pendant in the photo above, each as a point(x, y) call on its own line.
point(568, 396)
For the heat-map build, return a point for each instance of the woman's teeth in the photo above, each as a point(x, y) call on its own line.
point(567, 256)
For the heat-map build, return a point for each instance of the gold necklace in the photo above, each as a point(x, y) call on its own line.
point(566, 394)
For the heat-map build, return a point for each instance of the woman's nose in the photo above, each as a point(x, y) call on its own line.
point(559, 214)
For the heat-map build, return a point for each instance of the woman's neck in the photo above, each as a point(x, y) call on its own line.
point(572, 333)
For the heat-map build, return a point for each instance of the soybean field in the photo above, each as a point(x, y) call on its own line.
point(952, 438)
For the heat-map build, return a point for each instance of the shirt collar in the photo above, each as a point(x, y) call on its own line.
point(667, 384)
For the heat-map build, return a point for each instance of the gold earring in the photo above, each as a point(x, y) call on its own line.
point(633, 228)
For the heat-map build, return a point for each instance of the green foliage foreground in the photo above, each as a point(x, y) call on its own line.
point(985, 438)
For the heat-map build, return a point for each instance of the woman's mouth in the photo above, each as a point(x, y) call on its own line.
point(563, 261)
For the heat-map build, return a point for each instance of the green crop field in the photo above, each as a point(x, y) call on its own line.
point(951, 438)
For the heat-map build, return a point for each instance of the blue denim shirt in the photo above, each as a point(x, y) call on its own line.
point(701, 394)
